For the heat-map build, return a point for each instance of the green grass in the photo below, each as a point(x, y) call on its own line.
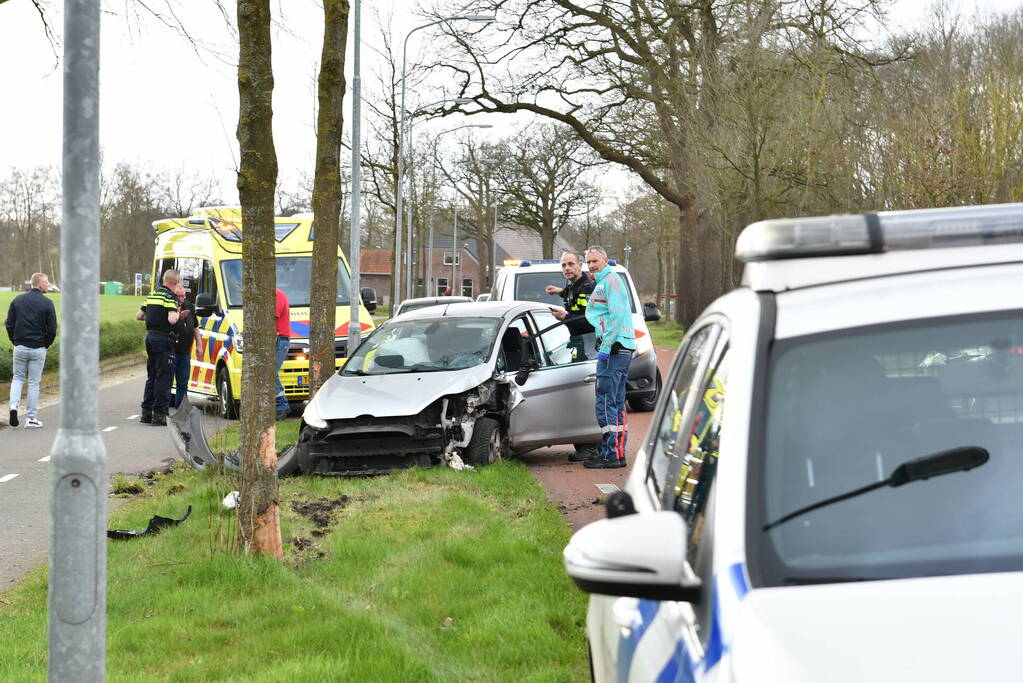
point(667, 334)
point(112, 309)
point(227, 439)
point(424, 575)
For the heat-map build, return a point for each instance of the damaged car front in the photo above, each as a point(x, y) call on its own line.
point(422, 389)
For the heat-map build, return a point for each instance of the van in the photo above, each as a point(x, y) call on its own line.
point(206, 248)
point(829, 489)
point(526, 280)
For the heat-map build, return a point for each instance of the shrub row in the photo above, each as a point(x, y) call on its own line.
point(115, 339)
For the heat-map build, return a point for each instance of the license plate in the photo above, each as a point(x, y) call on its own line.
point(302, 381)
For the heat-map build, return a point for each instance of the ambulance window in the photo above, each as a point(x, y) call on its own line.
point(162, 266)
point(208, 280)
point(190, 270)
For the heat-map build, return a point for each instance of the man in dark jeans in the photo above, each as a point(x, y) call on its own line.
point(32, 326)
point(187, 331)
point(160, 311)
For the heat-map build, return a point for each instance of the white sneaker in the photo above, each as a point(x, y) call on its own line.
point(32, 423)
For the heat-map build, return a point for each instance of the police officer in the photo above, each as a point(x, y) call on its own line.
point(576, 292)
point(160, 311)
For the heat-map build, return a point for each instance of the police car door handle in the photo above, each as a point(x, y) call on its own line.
point(590, 379)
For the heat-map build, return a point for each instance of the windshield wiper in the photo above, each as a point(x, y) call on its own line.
point(944, 462)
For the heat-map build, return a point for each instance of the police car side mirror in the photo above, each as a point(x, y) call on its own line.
point(206, 304)
point(651, 313)
point(640, 555)
point(369, 298)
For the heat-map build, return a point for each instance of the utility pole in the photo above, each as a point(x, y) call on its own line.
point(354, 321)
point(454, 252)
point(77, 599)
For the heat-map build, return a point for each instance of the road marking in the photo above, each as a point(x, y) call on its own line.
point(132, 417)
point(6, 478)
point(45, 458)
point(109, 429)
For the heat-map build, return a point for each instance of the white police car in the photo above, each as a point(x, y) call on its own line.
point(526, 280)
point(830, 489)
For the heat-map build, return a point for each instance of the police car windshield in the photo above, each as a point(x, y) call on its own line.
point(424, 345)
point(845, 409)
point(292, 279)
point(529, 286)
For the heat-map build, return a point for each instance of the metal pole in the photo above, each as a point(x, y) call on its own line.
point(78, 467)
point(409, 177)
point(454, 251)
point(430, 289)
point(355, 328)
point(492, 266)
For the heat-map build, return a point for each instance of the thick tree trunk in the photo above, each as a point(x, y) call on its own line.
point(327, 194)
point(698, 276)
point(547, 238)
point(258, 511)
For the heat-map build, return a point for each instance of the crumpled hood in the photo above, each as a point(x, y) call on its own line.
point(940, 629)
point(346, 396)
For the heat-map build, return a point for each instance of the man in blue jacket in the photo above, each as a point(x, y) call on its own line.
point(32, 326)
point(610, 314)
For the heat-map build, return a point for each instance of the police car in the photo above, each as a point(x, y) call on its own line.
point(526, 280)
point(830, 489)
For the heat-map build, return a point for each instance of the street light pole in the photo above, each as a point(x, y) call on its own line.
point(399, 203)
point(354, 320)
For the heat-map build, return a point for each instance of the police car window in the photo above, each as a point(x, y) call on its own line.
point(559, 347)
point(530, 287)
point(845, 409)
point(669, 441)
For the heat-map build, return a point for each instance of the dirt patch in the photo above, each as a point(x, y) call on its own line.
point(321, 511)
point(572, 487)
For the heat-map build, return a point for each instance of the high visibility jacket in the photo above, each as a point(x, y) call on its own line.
point(609, 311)
point(576, 295)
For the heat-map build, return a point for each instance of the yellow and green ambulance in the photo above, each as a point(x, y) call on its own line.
point(206, 248)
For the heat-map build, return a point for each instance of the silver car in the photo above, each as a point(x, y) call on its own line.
point(473, 380)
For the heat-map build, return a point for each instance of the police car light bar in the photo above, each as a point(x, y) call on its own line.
point(873, 233)
point(533, 262)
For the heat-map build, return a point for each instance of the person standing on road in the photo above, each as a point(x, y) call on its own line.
point(32, 327)
point(611, 316)
point(160, 311)
point(187, 332)
point(283, 314)
point(576, 293)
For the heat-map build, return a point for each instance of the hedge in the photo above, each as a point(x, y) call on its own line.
point(115, 339)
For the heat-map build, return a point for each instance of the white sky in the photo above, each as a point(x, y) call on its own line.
point(163, 105)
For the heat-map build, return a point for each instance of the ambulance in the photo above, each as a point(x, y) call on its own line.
point(206, 249)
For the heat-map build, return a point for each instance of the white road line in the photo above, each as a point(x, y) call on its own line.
point(109, 429)
point(132, 417)
point(45, 458)
point(6, 478)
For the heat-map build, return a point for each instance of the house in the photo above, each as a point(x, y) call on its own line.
point(375, 272)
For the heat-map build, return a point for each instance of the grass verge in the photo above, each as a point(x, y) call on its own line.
point(425, 575)
point(665, 333)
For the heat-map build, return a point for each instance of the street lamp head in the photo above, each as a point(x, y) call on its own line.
point(480, 125)
point(479, 18)
point(461, 100)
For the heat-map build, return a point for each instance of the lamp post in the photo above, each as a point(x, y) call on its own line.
point(399, 204)
point(628, 250)
point(429, 246)
point(410, 184)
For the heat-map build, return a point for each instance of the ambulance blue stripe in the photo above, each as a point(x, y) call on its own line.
point(680, 667)
point(627, 644)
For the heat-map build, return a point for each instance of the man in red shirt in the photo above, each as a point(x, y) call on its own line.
point(282, 312)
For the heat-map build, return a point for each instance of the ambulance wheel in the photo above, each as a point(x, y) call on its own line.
point(228, 406)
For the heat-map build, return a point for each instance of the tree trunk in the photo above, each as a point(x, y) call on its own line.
point(259, 527)
point(327, 195)
point(698, 276)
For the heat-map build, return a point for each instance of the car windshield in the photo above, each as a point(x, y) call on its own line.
point(292, 279)
point(416, 305)
point(424, 345)
point(845, 409)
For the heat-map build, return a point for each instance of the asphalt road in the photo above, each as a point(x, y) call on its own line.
point(131, 448)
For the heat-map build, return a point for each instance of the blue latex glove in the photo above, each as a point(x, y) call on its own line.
point(602, 356)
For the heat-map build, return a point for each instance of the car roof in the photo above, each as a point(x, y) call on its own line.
point(475, 309)
point(554, 268)
point(438, 299)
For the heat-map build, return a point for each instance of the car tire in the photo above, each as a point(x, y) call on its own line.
point(645, 405)
point(287, 462)
point(485, 446)
point(228, 407)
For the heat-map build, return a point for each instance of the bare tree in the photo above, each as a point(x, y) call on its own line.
point(259, 526)
point(327, 194)
point(184, 188)
point(29, 202)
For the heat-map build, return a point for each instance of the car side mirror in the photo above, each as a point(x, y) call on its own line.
point(206, 305)
point(369, 298)
point(523, 374)
point(651, 313)
point(638, 555)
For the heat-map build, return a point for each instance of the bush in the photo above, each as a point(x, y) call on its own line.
point(115, 339)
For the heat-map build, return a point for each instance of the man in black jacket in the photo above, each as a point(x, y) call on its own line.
point(32, 327)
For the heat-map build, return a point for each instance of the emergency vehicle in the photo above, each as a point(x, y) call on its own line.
point(829, 488)
point(206, 249)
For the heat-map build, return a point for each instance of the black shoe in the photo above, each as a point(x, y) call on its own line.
point(582, 454)
point(159, 421)
point(14, 417)
point(147, 417)
point(601, 464)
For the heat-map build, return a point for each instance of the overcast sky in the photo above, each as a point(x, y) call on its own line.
point(163, 104)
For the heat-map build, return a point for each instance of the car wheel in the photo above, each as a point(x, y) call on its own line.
point(645, 405)
point(228, 406)
point(485, 445)
point(287, 462)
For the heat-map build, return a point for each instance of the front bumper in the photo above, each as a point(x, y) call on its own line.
point(361, 449)
point(642, 380)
